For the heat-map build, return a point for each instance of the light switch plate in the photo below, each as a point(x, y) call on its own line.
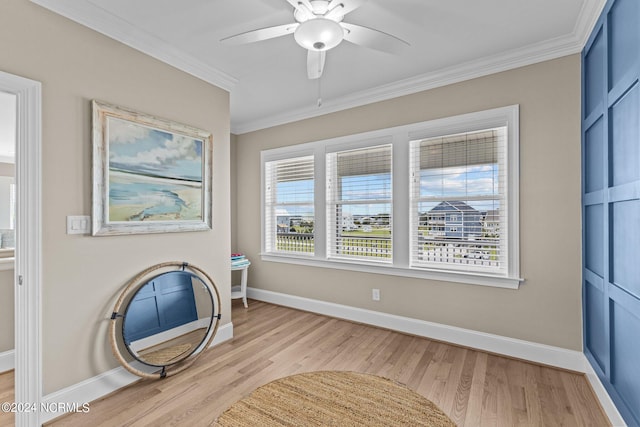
point(78, 224)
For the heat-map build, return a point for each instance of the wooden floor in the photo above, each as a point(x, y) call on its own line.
point(6, 395)
point(474, 388)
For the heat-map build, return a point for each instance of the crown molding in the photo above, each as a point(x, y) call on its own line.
point(589, 15)
point(528, 55)
point(104, 22)
point(443, 77)
point(100, 20)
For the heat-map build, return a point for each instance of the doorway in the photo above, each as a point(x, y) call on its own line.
point(7, 173)
point(27, 280)
point(8, 110)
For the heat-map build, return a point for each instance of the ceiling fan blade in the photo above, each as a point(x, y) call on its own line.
point(342, 7)
point(315, 63)
point(373, 39)
point(262, 34)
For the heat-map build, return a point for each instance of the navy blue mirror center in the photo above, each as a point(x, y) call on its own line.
point(168, 318)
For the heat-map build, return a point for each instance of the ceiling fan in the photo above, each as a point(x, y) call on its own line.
point(319, 27)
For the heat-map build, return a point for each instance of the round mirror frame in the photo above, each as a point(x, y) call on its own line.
point(129, 293)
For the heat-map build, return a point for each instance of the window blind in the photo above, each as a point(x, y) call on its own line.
point(359, 204)
point(289, 205)
point(458, 201)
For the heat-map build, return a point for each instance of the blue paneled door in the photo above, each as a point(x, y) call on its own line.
point(611, 203)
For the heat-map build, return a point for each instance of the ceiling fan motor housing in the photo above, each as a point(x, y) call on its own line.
point(319, 34)
point(314, 8)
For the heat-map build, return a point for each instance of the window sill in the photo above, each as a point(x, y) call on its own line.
point(417, 273)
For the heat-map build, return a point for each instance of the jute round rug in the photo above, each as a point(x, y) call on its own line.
point(333, 398)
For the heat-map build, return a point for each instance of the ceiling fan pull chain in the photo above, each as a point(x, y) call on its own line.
point(319, 103)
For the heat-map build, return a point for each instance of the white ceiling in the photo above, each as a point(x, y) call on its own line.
point(450, 40)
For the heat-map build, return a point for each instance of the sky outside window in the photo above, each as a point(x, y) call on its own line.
point(461, 182)
point(295, 198)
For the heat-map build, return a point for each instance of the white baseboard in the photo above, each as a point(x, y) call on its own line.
point(605, 400)
point(7, 360)
point(526, 350)
point(540, 353)
point(103, 384)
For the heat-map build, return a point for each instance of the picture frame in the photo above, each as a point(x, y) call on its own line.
point(150, 175)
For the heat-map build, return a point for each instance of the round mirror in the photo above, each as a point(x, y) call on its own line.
point(164, 319)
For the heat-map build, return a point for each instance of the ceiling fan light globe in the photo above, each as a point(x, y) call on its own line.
point(319, 34)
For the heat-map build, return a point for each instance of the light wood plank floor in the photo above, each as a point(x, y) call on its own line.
point(6, 395)
point(474, 388)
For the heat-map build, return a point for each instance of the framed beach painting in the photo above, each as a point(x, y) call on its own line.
point(150, 175)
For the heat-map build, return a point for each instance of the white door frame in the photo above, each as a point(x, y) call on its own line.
point(28, 255)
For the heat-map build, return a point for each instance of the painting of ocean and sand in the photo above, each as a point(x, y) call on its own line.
point(154, 175)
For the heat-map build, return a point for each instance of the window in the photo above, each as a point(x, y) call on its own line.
point(359, 204)
point(459, 180)
point(289, 205)
point(435, 200)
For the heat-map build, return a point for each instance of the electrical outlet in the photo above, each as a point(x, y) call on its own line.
point(375, 294)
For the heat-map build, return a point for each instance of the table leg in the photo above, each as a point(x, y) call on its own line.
point(243, 286)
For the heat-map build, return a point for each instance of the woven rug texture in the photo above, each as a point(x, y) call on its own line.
point(333, 398)
point(166, 355)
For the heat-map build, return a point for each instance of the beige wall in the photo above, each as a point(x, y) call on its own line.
point(7, 169)
point(83, 275)
point(6, 310)
point(236, 276)
point(547, 307)
point(234, 190)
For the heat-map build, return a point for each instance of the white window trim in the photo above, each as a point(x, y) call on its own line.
point(399, 137)
point(275, 155)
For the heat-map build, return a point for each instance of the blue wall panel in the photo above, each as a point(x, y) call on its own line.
point(593, 155)
point(596, 337)
point(624, 38)
point(611, 203)
point(164, 303)
point(625, 134)
point(625, 235)
point(144, 318)
point(625, 374)
point(594, 61)
point(594, 240)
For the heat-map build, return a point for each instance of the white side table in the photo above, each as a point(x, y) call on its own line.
point(240, 291)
